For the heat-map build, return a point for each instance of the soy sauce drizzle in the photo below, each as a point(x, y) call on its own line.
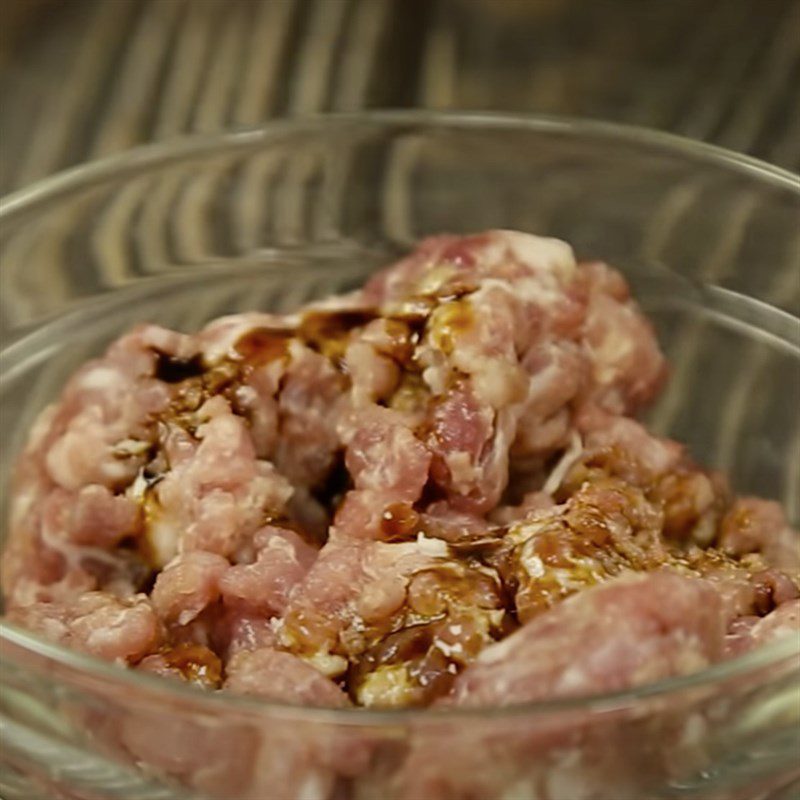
point(171, 369)
point(264, 345)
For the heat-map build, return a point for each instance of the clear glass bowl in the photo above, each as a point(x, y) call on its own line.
point(183, 232)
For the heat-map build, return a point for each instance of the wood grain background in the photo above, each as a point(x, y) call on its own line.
point(83, 78)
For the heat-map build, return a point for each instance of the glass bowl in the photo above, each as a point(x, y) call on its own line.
point(184, 232)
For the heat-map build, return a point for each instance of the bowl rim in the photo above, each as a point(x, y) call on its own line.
point(152, 156)
point(245, 137)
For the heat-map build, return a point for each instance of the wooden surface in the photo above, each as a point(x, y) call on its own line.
point(81, 79)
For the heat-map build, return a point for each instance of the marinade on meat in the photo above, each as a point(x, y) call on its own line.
point(430, 491)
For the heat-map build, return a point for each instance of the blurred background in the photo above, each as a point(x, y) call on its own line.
point(80, 79)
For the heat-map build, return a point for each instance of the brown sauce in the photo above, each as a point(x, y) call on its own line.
point(175, 370)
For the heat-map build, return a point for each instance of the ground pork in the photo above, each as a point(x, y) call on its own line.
point(431, 490)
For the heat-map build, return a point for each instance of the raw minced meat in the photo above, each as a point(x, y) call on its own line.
point(430, 491)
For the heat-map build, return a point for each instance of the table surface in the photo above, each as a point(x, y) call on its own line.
point(80, 79)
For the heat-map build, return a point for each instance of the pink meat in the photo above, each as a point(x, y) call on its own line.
point(558, 373)
point(362, 514)
point(441, 263)
point(98, 518)
point(213, 756)
point(282, 677)
point(783, 622)
point(622, 634)
point(374, 376)
point(63, 546)
point(753, 525)
point(193, 663)
point(749, 632)
point(89, 444)
point(306, 447)
point(353, 581)
point(406, 616)
point(281, 561)
point(217, 493)
point(256, 400)
point(439, 521)
point(648, 454)
point(97, 623)
point(319, 607)
point(400, 278)
point(480, 339)
point(187, 585)
point(693, 500)
point(389, 467)
point(383, 455)
point(238, 629)
point(530, 503)
point(102, 426)
point(454, 439)
point(628, 367)
point(461, 432)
